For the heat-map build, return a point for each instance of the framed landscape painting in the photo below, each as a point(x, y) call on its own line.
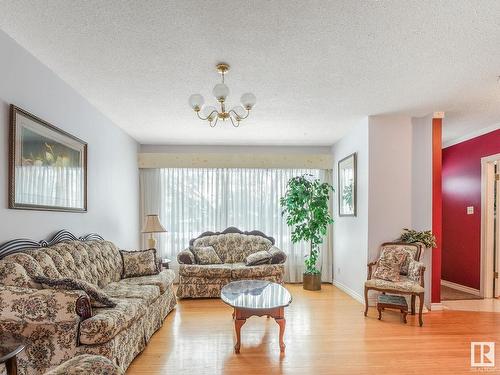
point(347, 186)
point(47, 166)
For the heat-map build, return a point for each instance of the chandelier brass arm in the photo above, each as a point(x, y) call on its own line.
point(221, 92)
point(232, 122)
point(211, 114)
point(237, 116)
point(215, 122)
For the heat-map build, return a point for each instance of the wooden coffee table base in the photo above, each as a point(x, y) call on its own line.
point(10, 347)
point(240, 316)
point(11, 366)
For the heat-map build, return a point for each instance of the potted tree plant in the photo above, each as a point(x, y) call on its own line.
point(305, 205)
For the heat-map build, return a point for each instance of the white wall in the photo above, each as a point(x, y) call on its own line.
point(394, 192)
point(113, 207)
point(350, 234)
point(390, 165)
point(422, 173)
point(421, 218)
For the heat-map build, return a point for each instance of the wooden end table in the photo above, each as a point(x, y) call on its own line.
point(10, 347)
point(256, 298)
point(165, 263)
point(388, 301)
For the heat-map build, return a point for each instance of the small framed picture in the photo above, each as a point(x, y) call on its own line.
point(47, 166)
point(347, 186)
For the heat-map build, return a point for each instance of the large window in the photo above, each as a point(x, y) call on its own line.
point(194, 200)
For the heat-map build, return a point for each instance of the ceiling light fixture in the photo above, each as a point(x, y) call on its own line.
point(221, 92)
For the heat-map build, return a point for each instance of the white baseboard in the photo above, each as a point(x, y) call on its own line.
point(462, 288)
point(358, 297)
point(437, 306)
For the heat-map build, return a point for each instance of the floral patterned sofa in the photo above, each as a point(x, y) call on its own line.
point(232, 247)
point(61, 324)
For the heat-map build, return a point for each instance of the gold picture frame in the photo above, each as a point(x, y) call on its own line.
point(47, 166)
point(347, 185)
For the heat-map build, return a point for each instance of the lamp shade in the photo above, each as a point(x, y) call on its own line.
point(152, 225)
point(221, 91)
point(248, 100)
point(196, 101)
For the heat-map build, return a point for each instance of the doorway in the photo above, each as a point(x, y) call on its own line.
point(490, 238)
point(470, 233)
point(490, 227)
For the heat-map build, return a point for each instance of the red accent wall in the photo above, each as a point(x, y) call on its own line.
point(461, 258)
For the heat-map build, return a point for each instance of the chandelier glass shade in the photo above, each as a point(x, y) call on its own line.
point(221, 91)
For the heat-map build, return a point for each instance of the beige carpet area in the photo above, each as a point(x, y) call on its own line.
point(450, 294)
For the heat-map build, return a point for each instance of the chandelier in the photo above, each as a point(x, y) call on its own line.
point(221, 92)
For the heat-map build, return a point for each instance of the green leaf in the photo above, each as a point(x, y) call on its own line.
point(412, 236)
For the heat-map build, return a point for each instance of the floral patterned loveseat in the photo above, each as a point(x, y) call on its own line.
point(232, 247)
point(61, 324)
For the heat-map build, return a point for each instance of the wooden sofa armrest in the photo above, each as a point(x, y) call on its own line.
point(422, 271)
point(370, 269)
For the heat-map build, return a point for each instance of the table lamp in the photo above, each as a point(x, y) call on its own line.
point(152, 225)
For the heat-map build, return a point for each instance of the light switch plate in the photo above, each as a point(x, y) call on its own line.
point(470, 210)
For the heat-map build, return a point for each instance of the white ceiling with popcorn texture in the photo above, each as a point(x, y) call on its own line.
point(317, 67)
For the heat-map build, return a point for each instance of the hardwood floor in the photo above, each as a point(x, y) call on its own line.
point(484, 305)
point(450, 294)
point(326, 333)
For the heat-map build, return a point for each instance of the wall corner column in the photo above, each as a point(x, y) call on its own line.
point(437, 204)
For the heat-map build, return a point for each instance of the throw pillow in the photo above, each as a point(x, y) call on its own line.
point(186, 257)
point(412, 253)
point(260, 257)
point(206, 255)
point(139, 263)
point(389, 264)
point(97, 297)
point(414, 270)
point(278, 256)
point(411, 250)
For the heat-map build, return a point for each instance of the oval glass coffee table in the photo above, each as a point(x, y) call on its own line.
point(256, 298)
point(10, 347)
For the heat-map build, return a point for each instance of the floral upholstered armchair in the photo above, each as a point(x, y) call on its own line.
point(215, 259)
point(398, 271)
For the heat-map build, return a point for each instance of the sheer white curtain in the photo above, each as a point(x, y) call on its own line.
point(190, 201)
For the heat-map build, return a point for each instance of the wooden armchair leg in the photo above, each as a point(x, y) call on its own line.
point(421, 300)
point(366, 301)
point(413, 304)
